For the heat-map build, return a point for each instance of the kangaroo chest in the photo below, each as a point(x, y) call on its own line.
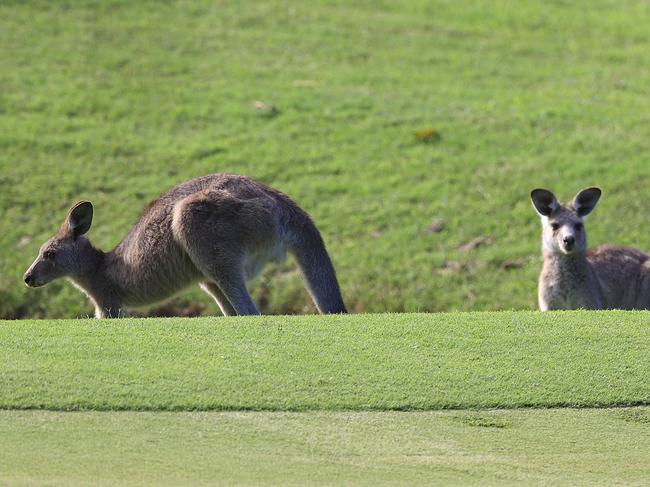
point(566, 285)
point(560, 295)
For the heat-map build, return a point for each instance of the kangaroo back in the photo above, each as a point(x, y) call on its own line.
point(624, 276)
point(306, 244)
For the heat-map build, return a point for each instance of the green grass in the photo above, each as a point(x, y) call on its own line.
point(116, 101)
point(522, 447)
point(307, 400)
point(363, 362)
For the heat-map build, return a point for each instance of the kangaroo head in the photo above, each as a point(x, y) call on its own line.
point(563, 224)
point(61, 255)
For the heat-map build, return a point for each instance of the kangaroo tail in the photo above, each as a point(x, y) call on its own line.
point(307, 246)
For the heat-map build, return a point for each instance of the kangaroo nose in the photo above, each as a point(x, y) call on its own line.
point(569, 241)
point(29, 279)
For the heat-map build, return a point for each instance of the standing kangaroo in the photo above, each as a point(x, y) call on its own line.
point(217, 230)
point(606, 277)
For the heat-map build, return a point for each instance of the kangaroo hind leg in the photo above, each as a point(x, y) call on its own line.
point(206, 225)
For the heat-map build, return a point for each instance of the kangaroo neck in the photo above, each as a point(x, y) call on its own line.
point(97, 282)
point(574, 263)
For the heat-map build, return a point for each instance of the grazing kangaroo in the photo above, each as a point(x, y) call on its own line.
point(217, 230)
point(606, 277)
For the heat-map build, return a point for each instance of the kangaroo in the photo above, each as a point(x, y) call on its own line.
point(217, 231)
point(606, 277)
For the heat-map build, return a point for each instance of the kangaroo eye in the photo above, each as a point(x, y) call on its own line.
point(48, 254)
point(578, 226)
point(555, 226)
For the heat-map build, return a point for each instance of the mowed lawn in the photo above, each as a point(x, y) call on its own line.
point(362, 362)
point(117, 101)
point(386, 399)
point(522, 447)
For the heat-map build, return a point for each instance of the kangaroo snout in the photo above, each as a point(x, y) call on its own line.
point(34, 276)
point(29, 279)
point(569, 242)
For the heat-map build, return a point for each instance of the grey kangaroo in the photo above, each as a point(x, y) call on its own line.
point(606, 277)
point(217, 231)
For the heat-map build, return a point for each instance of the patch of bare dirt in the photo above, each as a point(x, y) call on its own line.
point(475, 243)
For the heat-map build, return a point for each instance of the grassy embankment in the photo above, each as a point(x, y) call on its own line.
point(362, 362)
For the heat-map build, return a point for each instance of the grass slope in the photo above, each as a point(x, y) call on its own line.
point(115, 101)
point(521, 447)
point(362, 362)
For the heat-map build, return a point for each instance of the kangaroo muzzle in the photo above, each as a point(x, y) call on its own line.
point(31, 281)
point(569, 242)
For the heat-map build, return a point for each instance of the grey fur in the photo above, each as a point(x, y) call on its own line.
point(606, 277)
point(217, 231)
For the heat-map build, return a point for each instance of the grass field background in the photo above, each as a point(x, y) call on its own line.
point(117, 101)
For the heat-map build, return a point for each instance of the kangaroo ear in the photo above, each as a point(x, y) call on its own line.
point(586, 200)
point(544, 201)
point(80, 218)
